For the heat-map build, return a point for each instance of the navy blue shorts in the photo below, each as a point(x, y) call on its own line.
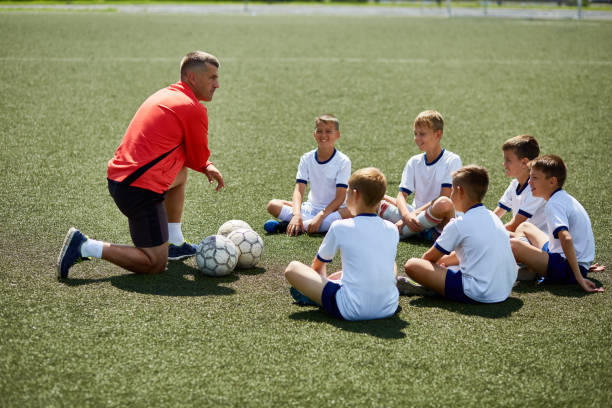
point(559, 270)
point(145, 211)
point(328, 298)
point(453, 287)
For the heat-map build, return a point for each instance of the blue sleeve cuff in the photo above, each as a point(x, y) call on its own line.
point(342, 185)
point(439, 248)
point(301, 181)
point(524, 213)
point(323, 259)
point(405, 190)
point(504, 207)
point(556, 231)
point(447, 185)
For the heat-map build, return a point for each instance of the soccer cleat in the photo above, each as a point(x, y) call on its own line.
point(300, 298)
point(178, 252)
point(408, 287)
point(274, 226)
point(70, 253)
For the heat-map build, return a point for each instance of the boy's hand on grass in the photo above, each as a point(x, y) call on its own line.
point(597, 267)
point(589, 286)
point(295, 226)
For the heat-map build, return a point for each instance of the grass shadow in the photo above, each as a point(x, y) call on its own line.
point(389, 328)
point(250, 271)
point(178, 280)
point(488, 310)
point(569, 291)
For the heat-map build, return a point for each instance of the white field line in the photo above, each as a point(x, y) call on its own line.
point(449, 62)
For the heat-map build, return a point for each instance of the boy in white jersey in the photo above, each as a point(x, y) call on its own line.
point(487, 269)
point(428, 176)
point(565, 254)
point(517, 199)
point(328, 171)
point(368, 245)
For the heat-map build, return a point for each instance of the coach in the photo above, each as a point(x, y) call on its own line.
point(148, 173)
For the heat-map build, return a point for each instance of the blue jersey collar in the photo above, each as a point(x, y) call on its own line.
point(435, 160)
point(326, 161)
point(474, 206)
point(367, 215)
point(520, 189)
point(556, 191)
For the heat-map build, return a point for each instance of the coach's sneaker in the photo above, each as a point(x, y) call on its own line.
point(178, 252)
point(300, 298)
point(70, 253)
point(274, 226)
point(408, 287)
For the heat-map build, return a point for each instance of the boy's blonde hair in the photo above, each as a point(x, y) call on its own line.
point(327, 118)
point(431, 119)
point(197, 59)
point(552, 166)
point(371, 184)
point(522, 146)
point(474, 180)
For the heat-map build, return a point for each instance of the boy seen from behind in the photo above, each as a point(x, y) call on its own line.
point(517, 199)
point(368, 246)
point(428, 176)
point(564, 255)
point(328, 171)
point(486, 269)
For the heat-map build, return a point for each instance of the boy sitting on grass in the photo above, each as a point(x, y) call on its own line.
point(368, 245)
point(328, 170)
point(565, 254)
point(487, 269)
point(428, 176)
point(517, 199)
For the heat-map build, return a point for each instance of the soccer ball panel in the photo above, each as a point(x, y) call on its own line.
point(216, 256)
point(232, 225)
point(249, 245)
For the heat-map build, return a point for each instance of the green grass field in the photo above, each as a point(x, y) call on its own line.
point(69, 85)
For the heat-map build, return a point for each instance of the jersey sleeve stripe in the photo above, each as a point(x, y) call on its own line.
point(439, 248)
point(405, 190)
point(342, 185)
point(449, 185)
point(558, 229)
point(525, 213)
point(323, 259)
point(301, 181)
point(504, 207)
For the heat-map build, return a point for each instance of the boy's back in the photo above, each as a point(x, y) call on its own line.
point(565, 212)
point(425, 179)
point(324, 176)
point(368, 245)
point(485, 258)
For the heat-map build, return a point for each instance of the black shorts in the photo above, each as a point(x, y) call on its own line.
point(145, 211)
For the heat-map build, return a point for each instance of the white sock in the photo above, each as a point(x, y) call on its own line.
point(175, 233)
point(426, 220)
point(92, 248)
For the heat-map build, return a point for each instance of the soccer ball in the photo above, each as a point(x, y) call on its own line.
point(232, 225)
point(250, 247)
point(216, 255)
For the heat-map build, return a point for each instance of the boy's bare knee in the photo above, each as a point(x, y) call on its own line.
point(515, 245)
point(443, 206)
point(410, 266)
point(274, 207)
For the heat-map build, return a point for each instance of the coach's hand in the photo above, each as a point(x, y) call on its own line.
point(214, 174)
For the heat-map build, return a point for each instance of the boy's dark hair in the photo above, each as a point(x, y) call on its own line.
point(474, 180)
point(552, 166)
point(327, 118)
point(371, 184)
point(523, 146)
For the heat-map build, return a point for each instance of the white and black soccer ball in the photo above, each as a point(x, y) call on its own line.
point(216, 255)
point(250, 247)
point(232, 225)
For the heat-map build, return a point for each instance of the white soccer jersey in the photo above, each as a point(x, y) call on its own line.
point(482, 245)
point(426, 179)
point(564, 212)
point(324, 177)
point(519, 200)
point(368, 246)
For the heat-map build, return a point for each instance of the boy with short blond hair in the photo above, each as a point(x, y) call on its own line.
point(566, 253)
point(328, 171)
point(368, 245)
point(517, 199)
point(428, 176)
point(487, 269)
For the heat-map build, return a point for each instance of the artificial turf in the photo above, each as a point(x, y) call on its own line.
point(69, 85)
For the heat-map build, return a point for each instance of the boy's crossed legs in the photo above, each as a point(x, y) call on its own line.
point(283, 210)
point(439, 213)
